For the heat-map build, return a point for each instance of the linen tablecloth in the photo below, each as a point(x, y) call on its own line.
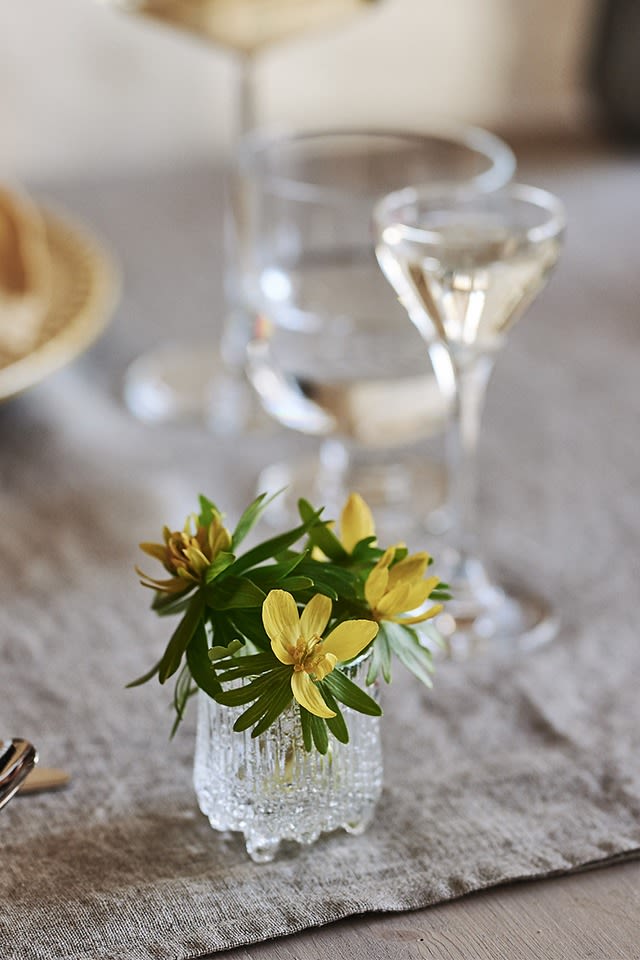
point(505, 770)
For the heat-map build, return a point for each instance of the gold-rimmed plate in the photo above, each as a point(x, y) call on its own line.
point(84, 289)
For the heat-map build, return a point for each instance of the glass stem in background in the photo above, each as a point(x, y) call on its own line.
point(471, 379)
point(246, 109)
point(236, 331)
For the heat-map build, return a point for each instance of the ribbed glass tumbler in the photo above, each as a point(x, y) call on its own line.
point(270, 789)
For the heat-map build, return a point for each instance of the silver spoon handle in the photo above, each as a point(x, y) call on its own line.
point(17, 758)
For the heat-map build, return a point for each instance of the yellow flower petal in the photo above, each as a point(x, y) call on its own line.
point(219, 539)
point(420, 617)
point(377, 581)
point(155, 550)
point(349, 638)
point(174, 585)
point(283, 654)
point(375, 586)
point(324, 666)
point(411, 568)
point(308, 695)
point(281, 621)
point(315, 616)
point(356, 522)
point(418, 593)
point(196, 558)
point(395, 601)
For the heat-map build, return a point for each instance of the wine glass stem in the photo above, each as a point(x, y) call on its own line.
point(236, 330)
point(246, 111)
point(471, 378)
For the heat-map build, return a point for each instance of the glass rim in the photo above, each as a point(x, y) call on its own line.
point(543, 199)
point(259, 143)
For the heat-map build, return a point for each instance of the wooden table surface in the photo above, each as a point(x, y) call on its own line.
point(583, 916)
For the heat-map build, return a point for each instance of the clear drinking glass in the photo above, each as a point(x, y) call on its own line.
point(179, 381)
point(331, 353)
point(465, 268)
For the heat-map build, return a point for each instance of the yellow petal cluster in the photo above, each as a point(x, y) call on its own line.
point(297, 641)
point(394, 590)
point(187, 553)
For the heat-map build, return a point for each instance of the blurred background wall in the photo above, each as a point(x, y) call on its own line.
point(84, 88)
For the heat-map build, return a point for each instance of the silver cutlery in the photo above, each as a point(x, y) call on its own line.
point(17, 759)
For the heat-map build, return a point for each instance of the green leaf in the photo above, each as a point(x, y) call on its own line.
point(216, 567)
point(181, 637)
point(273, 574)
point(278, 706)
point(249, 624)
point(182, 691)
point(145, 677)
point(269, 548)
point(297, 584)
point(208, 511)
point(380, 658)
point(351, 695)
point(234, 592)
point(200, 665)
point(223, 631)
point(251, 691)
point(319, 533)
point(248, 665)
point(336, 724)
point(305, 722)
point(251, 516)
point(332, 581)
point(319, 733)
point(269, 705)
point(219, 653)
point(166, 604)
point(406, 646)
point(365, 551)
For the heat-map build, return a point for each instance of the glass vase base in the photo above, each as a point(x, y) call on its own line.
point(490, 617)
point(264, 848)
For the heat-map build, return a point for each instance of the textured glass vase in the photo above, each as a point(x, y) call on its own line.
point(270, 789)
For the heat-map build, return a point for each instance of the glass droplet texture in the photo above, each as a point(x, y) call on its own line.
point(270, 789)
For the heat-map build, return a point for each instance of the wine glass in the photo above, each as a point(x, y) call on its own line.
point(176, 382)
point(331, 353)
point(465, 268)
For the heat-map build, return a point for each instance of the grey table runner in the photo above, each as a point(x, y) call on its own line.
point(504, 771)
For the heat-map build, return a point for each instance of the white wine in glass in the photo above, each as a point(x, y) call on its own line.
point(465, 268)
point(191, 382)
point(468, 285)
point(246, 26)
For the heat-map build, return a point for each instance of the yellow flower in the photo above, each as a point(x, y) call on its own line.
point(394, 590)
point(356, 522)
point(186, 554)
point(297, 641)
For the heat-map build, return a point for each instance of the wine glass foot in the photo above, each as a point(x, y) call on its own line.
point(174, 383)
point(486, 617)
point(402, 495)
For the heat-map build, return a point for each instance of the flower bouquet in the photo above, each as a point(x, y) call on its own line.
point(286, 644)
